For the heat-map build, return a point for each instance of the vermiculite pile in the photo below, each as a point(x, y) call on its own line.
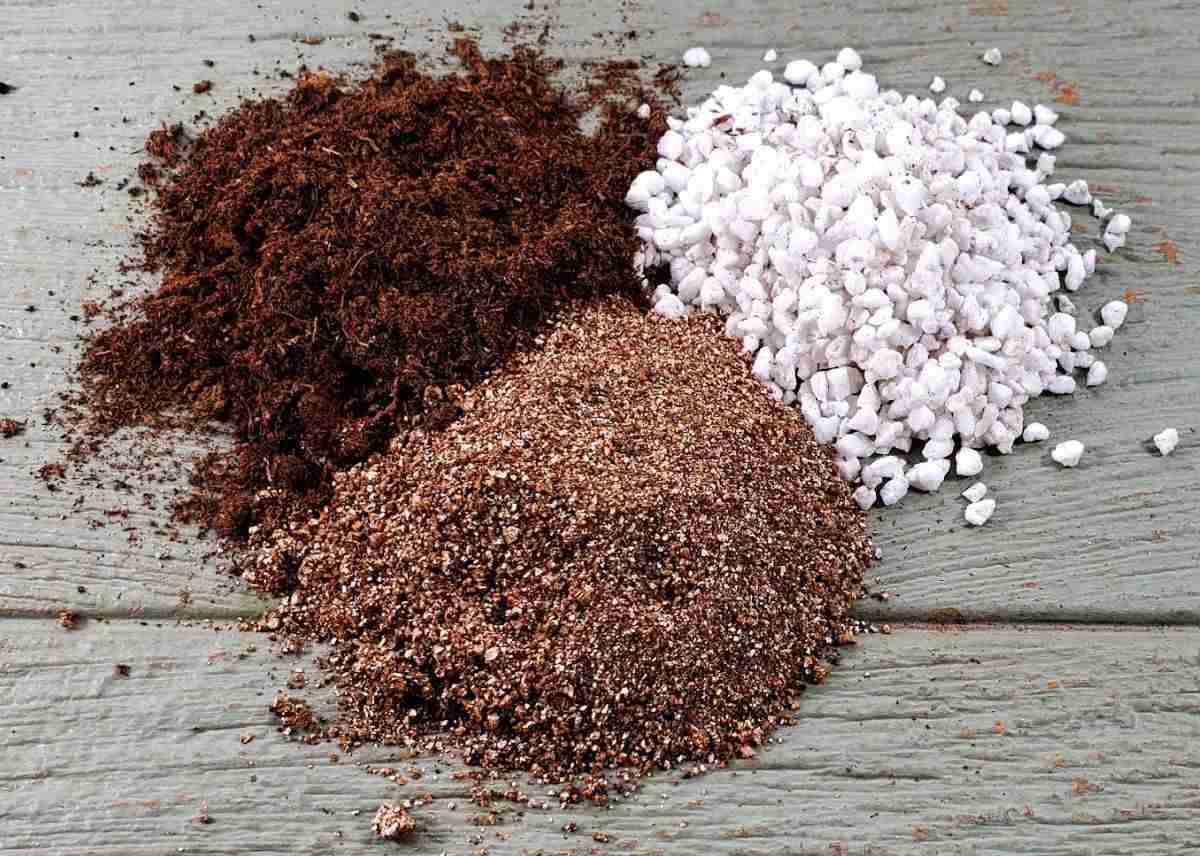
point(892, 266)
point(625, 554)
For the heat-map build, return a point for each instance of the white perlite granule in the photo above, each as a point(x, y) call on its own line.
point(1166, 440)
point(1068, 453)
point(697, 58)
point(888, 263)
point(978, 513)
point(975, 492)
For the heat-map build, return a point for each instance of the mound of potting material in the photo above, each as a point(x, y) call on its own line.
point(334, 260)
point(898, 270)
point(624, 554)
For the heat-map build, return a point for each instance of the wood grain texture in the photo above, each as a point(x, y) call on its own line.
point(1117, 539)
point(1048, 741)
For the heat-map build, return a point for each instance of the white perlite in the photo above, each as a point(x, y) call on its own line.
point(937, 85)
point(771, 55)
point(1166, 440)
point(992, 56)
point(975, 492)
point(1068, 452)
point(978, 513)
point(1035, 432)
point(968, 462)
point(697, 58)
point(890, 265)
point(1113, 314)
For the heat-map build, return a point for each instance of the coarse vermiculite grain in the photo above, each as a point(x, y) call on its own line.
point(624, 554)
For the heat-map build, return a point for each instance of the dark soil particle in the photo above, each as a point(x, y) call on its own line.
point(333, 261)
point(11, 427)
point(202, 86)
point(6, 88)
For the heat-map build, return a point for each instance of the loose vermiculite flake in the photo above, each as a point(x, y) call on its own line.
point(891, 266)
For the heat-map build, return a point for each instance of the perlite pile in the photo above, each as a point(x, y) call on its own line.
point(899, 271)
point(624, 555)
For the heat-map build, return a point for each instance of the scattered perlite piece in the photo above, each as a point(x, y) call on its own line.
point(893, 490)
point(978, 513)
point(968, 462)
point(1043, 115)
point(888, 264)
point(849, 59)
point(1113, 313)
point(1114, 232)
point(1068, 452)
point(1099, 210)
point(1035, 432)
point(771, 55)
point(975, 96)
point(1047, 137)
point(1166, 440)
point(644, 111)
point(1021, 114)
point(937, 85)
point(1097, 373)
point(975, 492)
point(697, 58)
point(1101, 336)
point(864, 496)
point(928, 475)
point(993, 56)
point(1077, 193)
point(799, 72)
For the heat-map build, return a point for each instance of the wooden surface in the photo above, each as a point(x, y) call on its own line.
point(94, 763)
point(998, 740)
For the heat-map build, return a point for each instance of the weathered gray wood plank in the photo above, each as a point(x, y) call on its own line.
point(1114, 540)
point(1050, 741)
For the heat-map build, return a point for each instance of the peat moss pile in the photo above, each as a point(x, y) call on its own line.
point(335, 260)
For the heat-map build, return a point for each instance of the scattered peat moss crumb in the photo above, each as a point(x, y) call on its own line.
point(121, 670)
point(202, 86)
point(334, 260)
point(6, 88)
point(392, 822)
point(90, 180)
point(68, 619)
point(10, 428)
point(167, 144)
point(625, 554)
